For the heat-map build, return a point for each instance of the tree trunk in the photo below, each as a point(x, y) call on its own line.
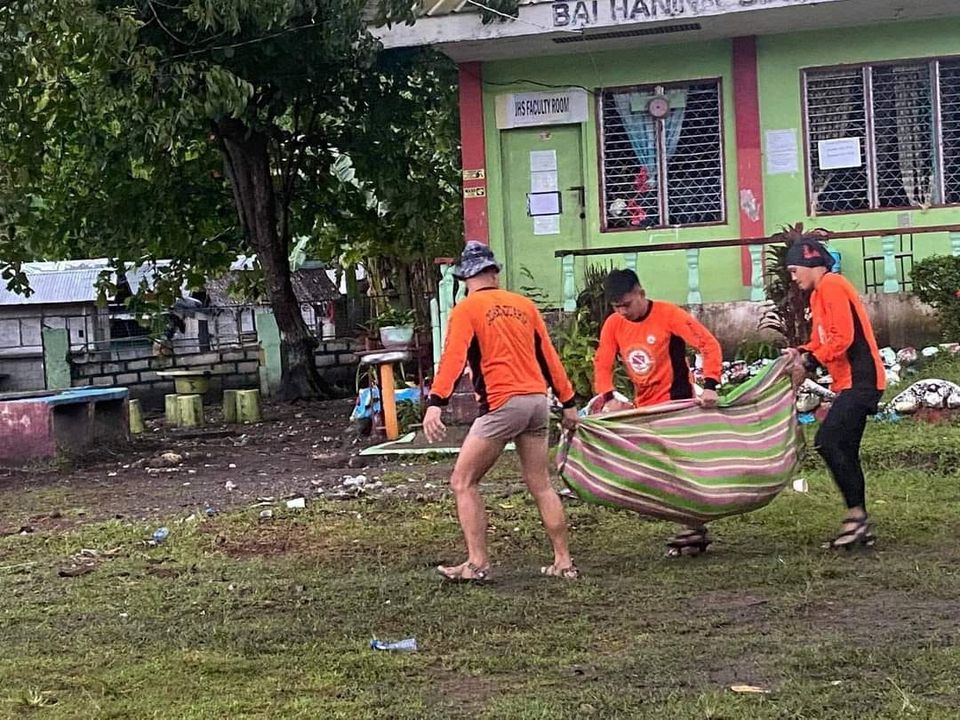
point(248, 159)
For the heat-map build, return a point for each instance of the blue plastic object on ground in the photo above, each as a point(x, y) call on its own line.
point(160, 534)
point(368, 401)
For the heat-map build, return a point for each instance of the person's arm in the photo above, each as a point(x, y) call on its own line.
point(604, 359)
point(453, 359)
point(694, 334)
point(837, 324)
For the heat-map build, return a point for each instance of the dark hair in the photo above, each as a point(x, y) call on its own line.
point(618, 283)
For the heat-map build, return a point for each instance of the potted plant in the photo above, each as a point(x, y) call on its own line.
point(396, 327)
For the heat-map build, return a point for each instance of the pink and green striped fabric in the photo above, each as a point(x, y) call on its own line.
point(678, 461)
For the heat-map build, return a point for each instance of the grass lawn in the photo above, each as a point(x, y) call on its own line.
point(237, 618)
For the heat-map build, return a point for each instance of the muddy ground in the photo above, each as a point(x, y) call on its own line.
point(308, 450)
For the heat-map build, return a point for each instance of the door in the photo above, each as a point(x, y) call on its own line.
point(541, 160)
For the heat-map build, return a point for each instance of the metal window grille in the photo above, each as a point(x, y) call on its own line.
point(950, 129)
point(836, 109)
point(668, 171)
point(906, 117)
point(903, 135)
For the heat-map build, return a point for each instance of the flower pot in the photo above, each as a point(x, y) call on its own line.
point(396, 337)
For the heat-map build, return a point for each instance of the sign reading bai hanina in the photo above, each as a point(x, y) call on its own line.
point(555, 107)
point(583, 13)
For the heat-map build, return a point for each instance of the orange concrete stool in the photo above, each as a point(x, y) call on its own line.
point(384, 361)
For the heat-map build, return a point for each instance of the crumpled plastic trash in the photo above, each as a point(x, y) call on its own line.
point(406, 645)
point(368, 401)
point(806, 418)
point(888, 355)
point(907, 356)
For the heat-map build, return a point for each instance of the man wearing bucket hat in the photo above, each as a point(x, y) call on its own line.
point(842, 341)
point(503, 338)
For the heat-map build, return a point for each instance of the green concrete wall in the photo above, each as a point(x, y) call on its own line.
point(781, 59)
point(612, 69)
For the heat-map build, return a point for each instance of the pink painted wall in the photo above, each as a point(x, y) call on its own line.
point(26, 432)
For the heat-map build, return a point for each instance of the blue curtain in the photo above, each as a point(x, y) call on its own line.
point(641, 129)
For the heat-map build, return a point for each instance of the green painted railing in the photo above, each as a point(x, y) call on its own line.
point(892, 257)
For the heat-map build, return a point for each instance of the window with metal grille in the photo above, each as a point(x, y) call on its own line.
point(883, 136)
point(662, 171)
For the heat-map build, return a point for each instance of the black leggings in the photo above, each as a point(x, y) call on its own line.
point(838, 441)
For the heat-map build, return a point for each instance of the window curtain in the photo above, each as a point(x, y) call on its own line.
point(641, 130)
point(911, 87)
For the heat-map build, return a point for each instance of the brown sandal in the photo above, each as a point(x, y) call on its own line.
point(455, 573)
point(568, 573)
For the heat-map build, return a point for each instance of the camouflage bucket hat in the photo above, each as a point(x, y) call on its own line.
point(475, 258)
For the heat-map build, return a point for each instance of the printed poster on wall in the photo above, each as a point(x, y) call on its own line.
point(546, 225)
point(840, 153)
point(782, 152)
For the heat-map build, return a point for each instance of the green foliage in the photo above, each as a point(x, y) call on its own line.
point(499, 11)
point(533, 291)
point(752, 350)
point(396, 317)
point(575, 338)
point(787, 312)
point(936, 281)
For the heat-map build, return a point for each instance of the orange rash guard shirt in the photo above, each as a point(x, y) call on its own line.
point(841, 336)
point(653, 350)
point(504, 339)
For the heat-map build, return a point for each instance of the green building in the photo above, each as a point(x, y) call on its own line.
point(660, 132)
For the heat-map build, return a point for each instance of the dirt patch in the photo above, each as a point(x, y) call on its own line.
point(265, 540)
point(306, 449)
point(467, 694)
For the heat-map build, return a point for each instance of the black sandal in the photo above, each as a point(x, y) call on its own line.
point(857, 534)
point(692, 541)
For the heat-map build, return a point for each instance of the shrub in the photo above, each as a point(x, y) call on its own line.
point(936, 281)
point(787, 311)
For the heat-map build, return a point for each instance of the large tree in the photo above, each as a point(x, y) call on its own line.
point(155, 90)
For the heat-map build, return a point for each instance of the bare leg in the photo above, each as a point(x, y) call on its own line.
point(477, 455)
point(534, 462)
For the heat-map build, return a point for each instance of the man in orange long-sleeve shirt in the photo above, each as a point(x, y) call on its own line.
point(651, 339)
point(504, 339)
point(842, 341)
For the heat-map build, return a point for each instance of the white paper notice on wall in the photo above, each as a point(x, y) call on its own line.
point(545, 203)
point(546, 225)
point(840, 153)
point(543, 161)
point(544, 181)
point(782, 152)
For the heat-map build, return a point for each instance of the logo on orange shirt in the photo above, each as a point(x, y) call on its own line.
point(639, 361)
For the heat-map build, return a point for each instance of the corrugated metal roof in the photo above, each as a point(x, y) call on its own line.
point(445, 7)
point(53, 288)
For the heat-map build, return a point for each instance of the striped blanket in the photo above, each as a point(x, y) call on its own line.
point(680, 462)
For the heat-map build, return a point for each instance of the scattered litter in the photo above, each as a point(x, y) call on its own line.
point(232, 466)
point(160, 534)
point(266, 514)
point(167, 459)
point(230, 485)
point(806, 418)
point(210, 512)
point(77, 570)
point(296, 503)
point(407, 645)
point(800, 485)
point(749, 689)
point(112, 474)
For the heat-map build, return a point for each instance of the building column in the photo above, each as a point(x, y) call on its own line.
point(476, 226)
point(749, 158)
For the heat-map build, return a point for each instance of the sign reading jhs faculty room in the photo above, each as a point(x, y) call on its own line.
point(580, 13)
point(561, 107)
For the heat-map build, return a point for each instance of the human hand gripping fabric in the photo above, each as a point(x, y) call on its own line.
point(797, 370)
point(708, 398)
point(570, 419)
point(433, 426)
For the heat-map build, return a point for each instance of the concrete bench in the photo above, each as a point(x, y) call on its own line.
point(39, 426)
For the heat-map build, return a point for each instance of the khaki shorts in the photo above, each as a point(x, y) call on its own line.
point(520, 415)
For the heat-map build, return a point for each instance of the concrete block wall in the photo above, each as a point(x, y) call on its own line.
point(230, 369)
point(234, 368)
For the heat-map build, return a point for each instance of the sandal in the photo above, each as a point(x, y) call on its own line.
point(479, 575)
point(856, 533)
point(692, 541)
point(570, 572)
